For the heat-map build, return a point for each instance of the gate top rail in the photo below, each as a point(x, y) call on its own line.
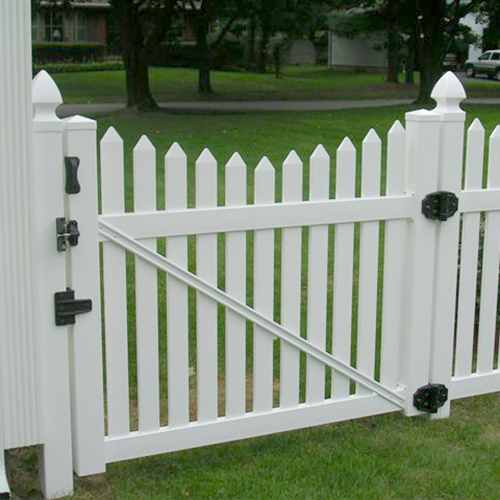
point(253, 217)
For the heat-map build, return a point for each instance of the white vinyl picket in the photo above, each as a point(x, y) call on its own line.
point(488, 313)
point(115, 288)
point(469, 255)
point(146, 295)
point(177, 294)
point(319, 187)
point(263, 286)
point(236, 244)
point(343, 268)
point(206, 314)
point(291, 258)
point(393, 261)
point(368, 261)
point(86, 337)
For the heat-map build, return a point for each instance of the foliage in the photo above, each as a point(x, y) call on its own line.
point(356, 23)
point(55, 68)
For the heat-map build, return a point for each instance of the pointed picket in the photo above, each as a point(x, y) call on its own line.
point(115, 287)
point(317, 276)
point(236, 193)
point(368, 261)
point(177, 294)
point(343, 268)
point(488, 314)
point(206, 268)
point(146, 296)
point(469, 254)
point(291, 257)
point(393, 259)
point(263, 289)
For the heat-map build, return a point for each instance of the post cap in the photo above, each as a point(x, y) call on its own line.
point(448, 94)
point(46, 97)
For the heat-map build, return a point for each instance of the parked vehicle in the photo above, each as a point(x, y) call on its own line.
point(488, 64)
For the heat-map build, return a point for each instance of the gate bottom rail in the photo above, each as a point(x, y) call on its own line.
point(126, 242)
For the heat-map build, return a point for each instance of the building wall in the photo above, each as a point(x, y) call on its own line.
point(356, 53)
point(76, 25)
point(474, 50)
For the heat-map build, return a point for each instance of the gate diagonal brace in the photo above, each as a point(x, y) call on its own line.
point(126, 242)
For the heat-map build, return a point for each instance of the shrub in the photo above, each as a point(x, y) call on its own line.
point(54, 68)
point(68, 52)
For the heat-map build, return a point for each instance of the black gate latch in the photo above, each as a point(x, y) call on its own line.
point(72, 163)
point(440, 205)
point(66, 307)
point(67, 232)
point(430, 397)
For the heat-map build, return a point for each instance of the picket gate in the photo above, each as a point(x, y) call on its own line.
point(224, 321)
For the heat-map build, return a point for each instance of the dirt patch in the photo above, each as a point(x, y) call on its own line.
point(22, 467)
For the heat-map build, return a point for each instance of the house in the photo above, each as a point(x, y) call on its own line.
point(351, 54)
point(78, 33)
point(361, 53)
point(84, 22)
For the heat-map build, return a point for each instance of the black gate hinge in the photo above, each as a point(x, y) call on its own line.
point(67, 232)
point(430, 398)
point(440, 205)
point(66, 307)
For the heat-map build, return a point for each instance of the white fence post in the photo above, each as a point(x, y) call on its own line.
point(448, 93)
point(422, 161)
point(50, 267)
point(18, 353)
point(85, 340)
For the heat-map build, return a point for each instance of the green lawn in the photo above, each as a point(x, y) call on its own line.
point(386, 457)
point(177, 84)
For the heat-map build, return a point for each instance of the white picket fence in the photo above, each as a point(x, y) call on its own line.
point(351, 302)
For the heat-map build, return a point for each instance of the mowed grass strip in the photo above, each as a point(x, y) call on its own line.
point(297, 83)
point(377, 458)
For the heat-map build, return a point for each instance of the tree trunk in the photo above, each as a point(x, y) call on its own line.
point(410, 62)
point(491, 37)
point(433, 13)
point(392, 43)
point(137, 80)
point(204, 56)
point(264, 40)
point(135, 57)
point(252, 62)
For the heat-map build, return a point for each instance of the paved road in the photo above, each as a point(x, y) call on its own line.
point(237, 106)
point(250, 106)
point(481, 78)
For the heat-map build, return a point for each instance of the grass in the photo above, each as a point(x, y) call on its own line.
point(178, 84)
point(378, 458)
point(386, 457)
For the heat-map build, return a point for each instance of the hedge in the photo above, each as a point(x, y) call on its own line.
point(54, 68)
point(56, 52)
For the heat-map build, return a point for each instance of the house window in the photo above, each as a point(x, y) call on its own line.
point(54, 27)
point(80, 20)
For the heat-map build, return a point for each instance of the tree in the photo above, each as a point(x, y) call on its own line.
point(430, 28)
point(438, 26)
point(370, 19)
point(489, 12)
point(290, 18)
point(141, 26)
